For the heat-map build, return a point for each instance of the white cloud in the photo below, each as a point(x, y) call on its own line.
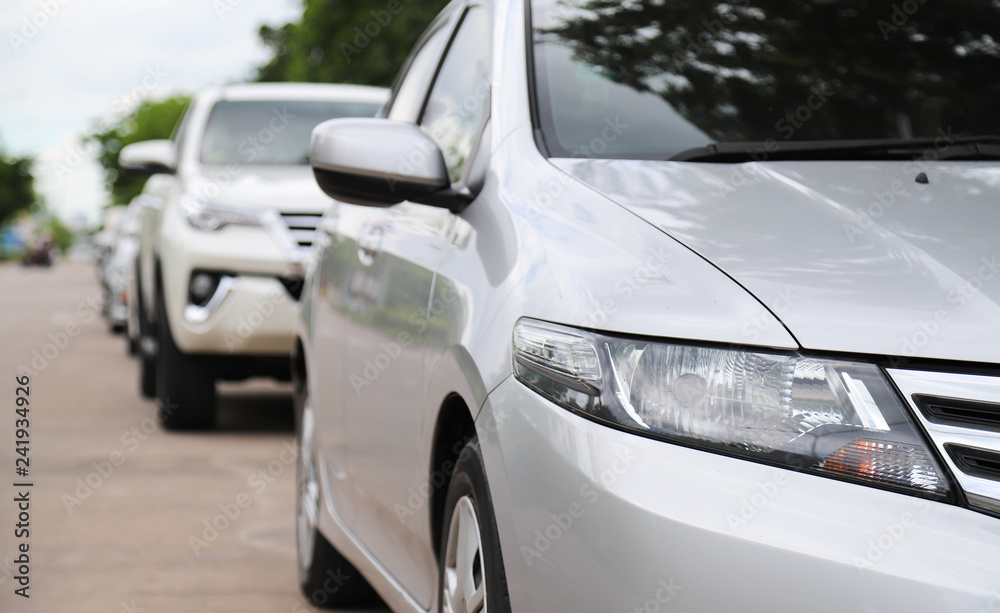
point(65, 64)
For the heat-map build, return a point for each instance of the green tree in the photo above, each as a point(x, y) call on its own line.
point(346, 42)
point(17, 186)
point(62, 236)
point(150, 120)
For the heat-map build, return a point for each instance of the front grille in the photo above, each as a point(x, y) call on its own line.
point(961, 414)
point(977, 462)
point(302, 227)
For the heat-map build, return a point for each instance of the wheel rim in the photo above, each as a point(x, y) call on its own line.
point(464, 582)
point(308, 486)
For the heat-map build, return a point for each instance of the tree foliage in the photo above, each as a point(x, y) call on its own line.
point(743, 70)
point(17, 186)
point(150, 120)
point(346, 42)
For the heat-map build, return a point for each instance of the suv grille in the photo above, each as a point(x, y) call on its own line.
point(302, 226)
point(961, 414)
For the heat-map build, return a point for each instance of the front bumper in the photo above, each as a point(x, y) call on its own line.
point(595, 519)
point(256, 314)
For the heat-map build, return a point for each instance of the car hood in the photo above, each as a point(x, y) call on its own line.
point(854, 257)
point(289, 189)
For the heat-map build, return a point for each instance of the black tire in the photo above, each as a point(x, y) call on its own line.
point(147, 355)
point(185, 384)
point(327, 579)
point(469, 486)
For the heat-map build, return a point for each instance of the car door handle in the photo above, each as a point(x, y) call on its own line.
point(369, 244)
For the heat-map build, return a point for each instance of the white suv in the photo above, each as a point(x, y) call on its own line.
point(229, 217)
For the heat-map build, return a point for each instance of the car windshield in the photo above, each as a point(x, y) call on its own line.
point(269, 132)
point(649, 79)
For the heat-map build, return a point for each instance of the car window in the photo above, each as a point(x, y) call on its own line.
point(459, 99)
point(651, 78)
point(270, 131)
point(180, 130)
point(408, 100)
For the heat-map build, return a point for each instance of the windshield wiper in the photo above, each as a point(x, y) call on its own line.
point(962, 148)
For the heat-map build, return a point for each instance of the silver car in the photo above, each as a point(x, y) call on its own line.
point(659, 306)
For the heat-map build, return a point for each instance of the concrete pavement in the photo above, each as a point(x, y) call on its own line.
point(125, 517)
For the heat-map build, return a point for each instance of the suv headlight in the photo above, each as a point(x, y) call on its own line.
point(830, 417)
point(212, 216)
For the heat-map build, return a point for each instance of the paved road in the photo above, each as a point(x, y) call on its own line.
point(121, 512)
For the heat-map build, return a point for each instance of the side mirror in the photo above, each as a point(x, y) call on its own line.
point(377, 162)
point(149, 157)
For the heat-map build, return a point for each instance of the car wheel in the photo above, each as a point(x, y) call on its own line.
point(471, 574)
point(146, 349)
point(328, 580)
point(185, 384)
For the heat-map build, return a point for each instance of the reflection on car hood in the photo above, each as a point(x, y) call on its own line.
point(285, 188)
point(851, 256)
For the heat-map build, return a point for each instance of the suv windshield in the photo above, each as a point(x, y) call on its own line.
point(269, 132)
point(649, 79)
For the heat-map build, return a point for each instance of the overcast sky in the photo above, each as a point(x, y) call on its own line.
point(66, 65)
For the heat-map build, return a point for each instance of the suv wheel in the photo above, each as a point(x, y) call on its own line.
point(328, 580)
point(185, 384)
point(471, 571)
point(145, 347)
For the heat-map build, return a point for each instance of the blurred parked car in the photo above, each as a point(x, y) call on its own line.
point(39, 252)
point(661, 306)
point(104, 239)
point(118, 267)
point(228, 219)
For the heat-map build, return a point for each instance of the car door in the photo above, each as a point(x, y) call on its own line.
point(399, 249)
point(346, 292)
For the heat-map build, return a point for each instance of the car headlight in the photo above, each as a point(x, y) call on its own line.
point(830, 417)
point(212, 216)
